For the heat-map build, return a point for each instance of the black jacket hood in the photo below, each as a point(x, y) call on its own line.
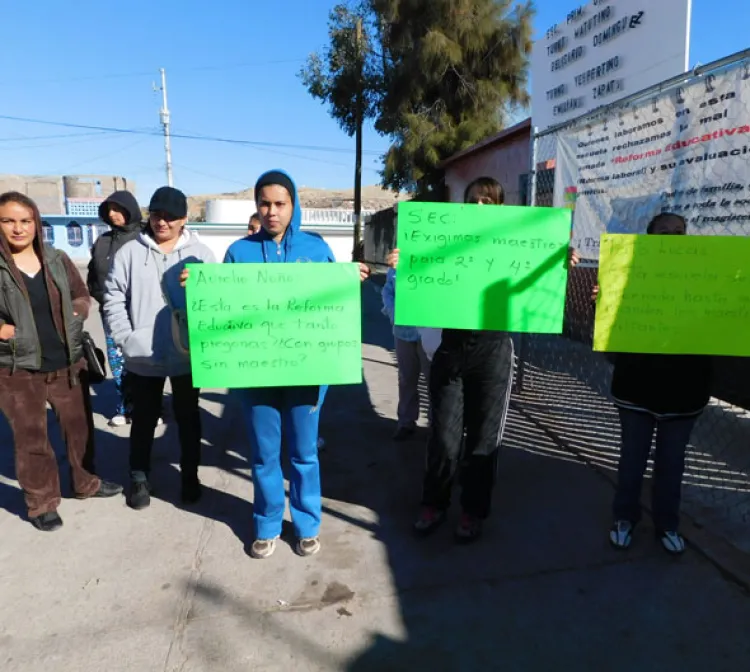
point(127, 201)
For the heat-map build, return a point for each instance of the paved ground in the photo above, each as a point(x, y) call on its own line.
point(172, 589)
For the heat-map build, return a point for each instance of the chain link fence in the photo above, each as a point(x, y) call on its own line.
point(562, 386)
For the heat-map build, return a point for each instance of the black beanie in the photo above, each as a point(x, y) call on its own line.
point(275, 177)
point(169, 200)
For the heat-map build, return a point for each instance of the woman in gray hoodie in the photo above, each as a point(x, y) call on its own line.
point(144, 308)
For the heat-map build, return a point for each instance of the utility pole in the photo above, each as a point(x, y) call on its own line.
point(358, 156)
point(164, 117)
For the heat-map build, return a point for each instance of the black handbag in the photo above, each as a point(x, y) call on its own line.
point(94, 359)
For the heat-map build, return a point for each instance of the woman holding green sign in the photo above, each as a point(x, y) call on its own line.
point(293, 411)
point(662, 395)
point(470, 381)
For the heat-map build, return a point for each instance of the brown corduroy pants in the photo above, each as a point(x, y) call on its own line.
point(23, 401)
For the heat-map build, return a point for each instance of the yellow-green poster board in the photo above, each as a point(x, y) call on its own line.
point(269, 325)
point(499, 268)
point(674, 295)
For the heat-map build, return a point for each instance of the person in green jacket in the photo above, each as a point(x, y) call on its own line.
point(43, 304)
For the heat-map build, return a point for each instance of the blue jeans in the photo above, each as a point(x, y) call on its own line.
point(296, 412)
point(116, 365)
point(672, 437)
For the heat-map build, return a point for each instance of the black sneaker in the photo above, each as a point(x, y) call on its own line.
point(428, 521)
point(191, 490)
point(47, 522)
point(140, 495)
point(106, 489)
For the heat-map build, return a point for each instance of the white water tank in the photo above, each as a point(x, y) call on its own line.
point(229, 211)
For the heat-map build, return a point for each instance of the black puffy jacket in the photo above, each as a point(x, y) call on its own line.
point(108, 243)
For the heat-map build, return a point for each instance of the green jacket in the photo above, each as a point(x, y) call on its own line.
point(23, 351)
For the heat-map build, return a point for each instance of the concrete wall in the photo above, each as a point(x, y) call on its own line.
point(46, 191)
point(506, 161)
point(94, 186)
point(50, 191)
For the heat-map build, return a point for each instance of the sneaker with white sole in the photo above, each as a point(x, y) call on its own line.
point(428, 520)
point(119, 420)
point(621, 534)
point(308, 546)
point(672, 542)
point(263, 548)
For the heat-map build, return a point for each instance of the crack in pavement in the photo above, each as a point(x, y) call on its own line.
point(188, 598)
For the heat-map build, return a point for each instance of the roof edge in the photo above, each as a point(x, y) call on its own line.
point(488, 142)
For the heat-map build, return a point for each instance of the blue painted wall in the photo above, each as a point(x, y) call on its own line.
point(72, 235)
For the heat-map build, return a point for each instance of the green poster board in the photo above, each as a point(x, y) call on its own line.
point(500, 268)
point(269, 325)
point(674, 295)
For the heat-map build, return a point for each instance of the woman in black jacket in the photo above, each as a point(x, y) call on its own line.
point(664, 394)
point(123, 214)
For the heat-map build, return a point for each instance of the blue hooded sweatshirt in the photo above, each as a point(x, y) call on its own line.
point(297, 245)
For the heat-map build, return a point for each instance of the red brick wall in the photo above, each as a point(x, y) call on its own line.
point(505, 161)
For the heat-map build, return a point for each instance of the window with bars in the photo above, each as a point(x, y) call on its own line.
point(75, 234)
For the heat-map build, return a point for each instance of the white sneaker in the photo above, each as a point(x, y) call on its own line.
point(673, 543)
point(621, 534)
point(263, 548)
point(310, 546)
point(118, 421)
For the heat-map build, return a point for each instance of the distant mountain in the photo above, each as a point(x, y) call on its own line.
point(373, 198)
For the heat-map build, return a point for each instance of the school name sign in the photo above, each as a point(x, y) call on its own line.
point(606, 50)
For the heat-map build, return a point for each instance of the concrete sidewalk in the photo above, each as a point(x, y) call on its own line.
point(171, 588)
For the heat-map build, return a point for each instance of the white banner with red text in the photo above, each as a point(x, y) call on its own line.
point(686, 150)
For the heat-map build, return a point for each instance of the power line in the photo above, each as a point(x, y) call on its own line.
point(183, 136)
point(45, 145)
point(106, 155)
point(54, 136)
point(149, 73)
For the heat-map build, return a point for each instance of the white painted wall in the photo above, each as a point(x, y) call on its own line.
point(219, 238)
point(227, 211)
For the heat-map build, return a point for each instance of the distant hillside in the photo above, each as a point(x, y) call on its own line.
point(373, 198)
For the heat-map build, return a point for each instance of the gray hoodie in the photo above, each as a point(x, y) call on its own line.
point(135, 310)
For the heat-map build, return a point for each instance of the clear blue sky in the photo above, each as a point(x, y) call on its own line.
point(232, 72)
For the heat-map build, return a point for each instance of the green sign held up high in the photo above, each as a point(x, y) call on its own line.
point(499, 268)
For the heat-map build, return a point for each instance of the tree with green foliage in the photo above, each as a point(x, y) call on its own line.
point(453, 69)
point(437, 77)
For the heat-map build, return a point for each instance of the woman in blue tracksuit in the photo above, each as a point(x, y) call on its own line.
point(295, 409)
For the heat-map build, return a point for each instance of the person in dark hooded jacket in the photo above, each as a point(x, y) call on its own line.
point(659, 398)
point(123, 214)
